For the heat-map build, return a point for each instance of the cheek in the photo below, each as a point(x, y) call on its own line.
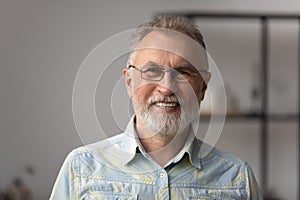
point(143, 91)
point(190, 92)
point(191, 97)
point(198, 90)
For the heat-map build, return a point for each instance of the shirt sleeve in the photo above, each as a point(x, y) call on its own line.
point(254, 192)
point(65, 184)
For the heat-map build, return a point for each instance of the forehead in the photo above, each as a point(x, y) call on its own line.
point(169, 48)
point(159, 56)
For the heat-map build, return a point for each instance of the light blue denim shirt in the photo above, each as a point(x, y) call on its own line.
point(118, 168)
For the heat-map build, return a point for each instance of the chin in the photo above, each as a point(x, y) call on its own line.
point(165, 124)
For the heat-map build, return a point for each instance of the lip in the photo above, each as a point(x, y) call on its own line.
point(167, 107)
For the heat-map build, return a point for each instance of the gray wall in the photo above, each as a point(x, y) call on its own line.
point(42, 45)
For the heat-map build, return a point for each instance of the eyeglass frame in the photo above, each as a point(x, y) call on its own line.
point(166, 70)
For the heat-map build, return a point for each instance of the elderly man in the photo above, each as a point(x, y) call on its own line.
point(158, 155)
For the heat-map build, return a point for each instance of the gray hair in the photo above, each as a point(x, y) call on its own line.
point(172, 22)
point(167, 22)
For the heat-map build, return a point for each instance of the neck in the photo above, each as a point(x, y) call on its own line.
point(160, 147)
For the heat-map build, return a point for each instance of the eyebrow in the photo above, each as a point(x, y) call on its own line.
point(185, 66)
point(182, 67)
point(154, 63)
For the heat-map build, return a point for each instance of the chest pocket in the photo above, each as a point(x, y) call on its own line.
point(97, 189)
point(199, 198)
point(98, 195)
point(219, 194)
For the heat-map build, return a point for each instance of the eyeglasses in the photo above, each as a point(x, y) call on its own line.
point(153, 72)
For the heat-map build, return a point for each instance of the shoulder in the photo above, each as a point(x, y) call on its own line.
point(92, 156)
point(211, 154)
point(226, 157)
point(231, 170)
point(218, 161)
point(100, 146)
point(227, 168)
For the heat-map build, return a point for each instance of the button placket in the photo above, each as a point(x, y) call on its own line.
point(162, 186)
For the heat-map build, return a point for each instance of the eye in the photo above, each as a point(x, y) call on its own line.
point(185, 72)
point(152, 70)
point(152, 73)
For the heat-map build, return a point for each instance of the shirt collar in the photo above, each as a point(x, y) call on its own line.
point(130, 143)
point(191, 147)
point(194, 154)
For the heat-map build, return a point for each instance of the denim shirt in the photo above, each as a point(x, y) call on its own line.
point(119, 168)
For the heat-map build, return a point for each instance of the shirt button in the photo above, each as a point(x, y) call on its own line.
point(162, 175)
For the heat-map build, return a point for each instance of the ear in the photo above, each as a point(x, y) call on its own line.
point(206, 77)
point(128, 81)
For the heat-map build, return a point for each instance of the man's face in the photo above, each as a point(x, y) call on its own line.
point(166, 106)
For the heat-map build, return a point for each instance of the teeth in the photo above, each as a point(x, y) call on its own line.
point(162, 104)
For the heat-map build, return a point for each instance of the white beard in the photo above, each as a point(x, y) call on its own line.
point(163, 123)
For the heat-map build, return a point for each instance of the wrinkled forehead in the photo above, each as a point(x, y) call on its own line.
point(174, 43)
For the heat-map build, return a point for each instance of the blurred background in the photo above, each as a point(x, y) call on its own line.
point(44, 42)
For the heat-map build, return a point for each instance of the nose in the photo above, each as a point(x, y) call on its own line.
point(167, 85)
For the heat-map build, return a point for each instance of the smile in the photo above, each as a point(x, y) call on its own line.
point(166, 104)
